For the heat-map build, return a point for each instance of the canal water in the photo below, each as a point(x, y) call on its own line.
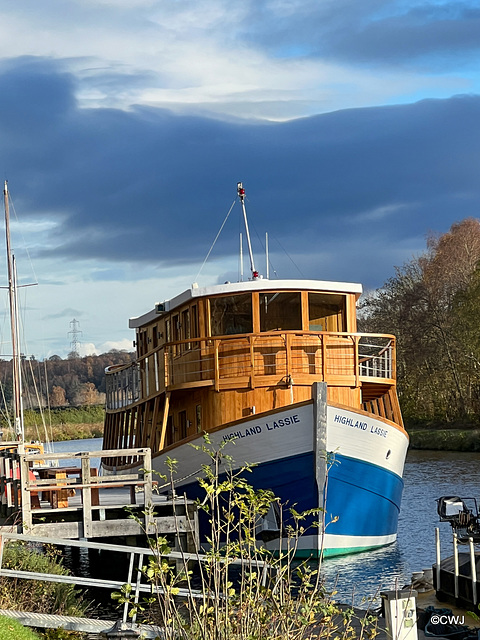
point(427, 476)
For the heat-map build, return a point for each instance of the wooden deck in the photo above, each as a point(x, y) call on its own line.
point(72, 501)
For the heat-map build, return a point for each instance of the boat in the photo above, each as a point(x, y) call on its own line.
point(279, 368)
point(17, 425)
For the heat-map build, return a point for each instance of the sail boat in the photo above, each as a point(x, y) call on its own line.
point(17, 386)
point(19, 426)
point(279, 367)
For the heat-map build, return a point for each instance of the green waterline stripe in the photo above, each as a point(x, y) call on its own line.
point(341, 551)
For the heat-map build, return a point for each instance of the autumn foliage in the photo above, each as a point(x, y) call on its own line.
point(432, 305)
point(58, 382)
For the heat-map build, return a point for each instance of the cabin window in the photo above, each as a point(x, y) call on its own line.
point(186, 329)
point(231, 314)
point(198, 417)
point(182, 424)
point(170, 430)
point(176, 334)
point(194, 322)
point(280, 311)
point(142, 342)
point(326, 312)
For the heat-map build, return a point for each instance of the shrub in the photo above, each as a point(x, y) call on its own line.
point(243, 592)
point(43, 596)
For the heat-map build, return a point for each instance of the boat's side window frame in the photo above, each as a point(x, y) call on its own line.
point(194, 329)
point(168, 330)
point(327, 312)
point(182, 425)
point(176, 333)
point(280, 311)
point(231, 314)
point(185, 329)
point(142, 342)
point(198, 417)
point(170, 430)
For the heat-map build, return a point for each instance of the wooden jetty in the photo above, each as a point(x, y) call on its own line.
point(62, 495)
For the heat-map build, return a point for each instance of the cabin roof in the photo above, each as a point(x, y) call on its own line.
point(262, 284)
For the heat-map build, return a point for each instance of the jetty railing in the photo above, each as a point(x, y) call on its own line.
point(451, 580)
point(253, 360)
point(136, 576)
point(72, 501)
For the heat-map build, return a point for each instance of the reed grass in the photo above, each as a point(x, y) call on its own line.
point(38, 595)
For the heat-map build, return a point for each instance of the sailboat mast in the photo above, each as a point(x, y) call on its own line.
point(12, 294)
point(241, 195)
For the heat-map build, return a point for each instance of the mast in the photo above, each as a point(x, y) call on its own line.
point(12, 295)
point(241, 258)
point(241, 195)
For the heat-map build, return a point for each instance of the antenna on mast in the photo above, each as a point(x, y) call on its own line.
point(241, 195)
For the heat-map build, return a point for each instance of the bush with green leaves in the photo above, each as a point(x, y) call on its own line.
point(241, 591)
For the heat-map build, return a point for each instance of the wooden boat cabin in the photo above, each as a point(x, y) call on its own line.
point(216, 355)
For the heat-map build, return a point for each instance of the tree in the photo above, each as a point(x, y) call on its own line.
point(430, 305)
point(57, 397)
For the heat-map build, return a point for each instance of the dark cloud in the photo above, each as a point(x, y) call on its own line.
point(370, 31)
point(150, 186)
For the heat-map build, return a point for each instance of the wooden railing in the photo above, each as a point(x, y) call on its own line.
point(254, 360)
point(28, 492)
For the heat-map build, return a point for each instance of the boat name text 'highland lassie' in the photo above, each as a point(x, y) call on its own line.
point(357, 424)
point(270, 426)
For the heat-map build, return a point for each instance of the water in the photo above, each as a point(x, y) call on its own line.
point(75, 446)
point(427, 476)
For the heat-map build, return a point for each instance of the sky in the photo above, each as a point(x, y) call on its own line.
point(125, 126)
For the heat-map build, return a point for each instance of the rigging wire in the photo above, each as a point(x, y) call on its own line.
point(47, 439)
point(12, 207)
point(49, 411)
point(289, 257)
point(216, 238)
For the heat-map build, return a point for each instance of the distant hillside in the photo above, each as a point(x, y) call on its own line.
point(57, 382)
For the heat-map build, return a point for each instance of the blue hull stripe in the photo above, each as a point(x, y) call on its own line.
point(366, 498)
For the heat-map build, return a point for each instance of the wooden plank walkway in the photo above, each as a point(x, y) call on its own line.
point(41, 496)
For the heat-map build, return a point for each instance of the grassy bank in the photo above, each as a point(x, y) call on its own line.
point(69, 423)
point(445, 439)
point(10, 629)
